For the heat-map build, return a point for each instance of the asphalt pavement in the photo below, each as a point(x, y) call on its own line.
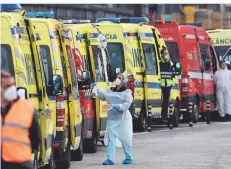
point(201, 147)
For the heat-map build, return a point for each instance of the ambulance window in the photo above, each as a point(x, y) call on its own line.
point(99, 65)
point(6, 59)
point(47, 66)
point(116, 54)
point(150, 58)
point(72, 65)
point(205, 58)
point(173, 51)
point(223, 50)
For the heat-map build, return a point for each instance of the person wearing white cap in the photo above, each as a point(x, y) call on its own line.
point(119, 119)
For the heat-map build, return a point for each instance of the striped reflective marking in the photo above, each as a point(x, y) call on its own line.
point(198, 75)
point(15, 125)
point(14, 140)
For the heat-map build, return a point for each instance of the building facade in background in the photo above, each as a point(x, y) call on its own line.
point(212, 16)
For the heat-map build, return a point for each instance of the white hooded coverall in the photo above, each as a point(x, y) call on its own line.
point(222, 80)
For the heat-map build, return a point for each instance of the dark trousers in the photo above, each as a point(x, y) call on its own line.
point(166, 91)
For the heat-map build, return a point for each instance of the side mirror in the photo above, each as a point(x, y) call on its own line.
point(57, 85)
point(22, 92)
point(86, 80)
point(178, 68)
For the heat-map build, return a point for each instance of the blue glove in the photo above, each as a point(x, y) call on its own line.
point(107, 82)
point(94, 84)
point(116, 107)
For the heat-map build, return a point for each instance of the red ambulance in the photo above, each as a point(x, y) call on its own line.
point(190, 45)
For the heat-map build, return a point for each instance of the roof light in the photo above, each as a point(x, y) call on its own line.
point(168, 19)
point(75, 21)
point(134, 20)
point(7, 7)
point(192, 24)
point(40, 14)
point(114, 20)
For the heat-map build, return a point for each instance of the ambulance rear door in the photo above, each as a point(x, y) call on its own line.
point(149, 52)
point(99, 76)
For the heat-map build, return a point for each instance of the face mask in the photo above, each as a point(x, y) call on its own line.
point(117, 81)
point(11, 93)
point(166, 57)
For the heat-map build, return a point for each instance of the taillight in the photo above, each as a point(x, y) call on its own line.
point(184, 84)
point(131, 84)
point(60, 111)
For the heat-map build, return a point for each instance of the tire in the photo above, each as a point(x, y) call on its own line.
point(195, 113)
point(176, 119)
point(65, 164)
point(142, 122)
point(51, 164)
point(90, 145)
point(77, 155)
point(35, 162)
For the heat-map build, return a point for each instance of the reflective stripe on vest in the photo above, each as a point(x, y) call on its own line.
point(15, 141)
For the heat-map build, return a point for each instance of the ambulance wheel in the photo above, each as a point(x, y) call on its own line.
point(90, 145)
point(66, 163)
point(176, 116)
point(142, 122)
point(195, 113)
point(51, 164)
point(77, 155)
point(35, 163)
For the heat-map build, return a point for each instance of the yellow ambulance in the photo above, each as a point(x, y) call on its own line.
point(90, 55)
point(65, 112)
point(18, 57)
point(135, 48)
point(221, 41)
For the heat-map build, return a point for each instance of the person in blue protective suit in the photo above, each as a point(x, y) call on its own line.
point(119, 119)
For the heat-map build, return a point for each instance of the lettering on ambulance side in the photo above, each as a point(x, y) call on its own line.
point(110, 36)
point(221, 41)
point(189, 36)
point(168, 38)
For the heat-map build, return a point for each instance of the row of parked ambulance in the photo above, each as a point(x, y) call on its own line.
point(54, 63)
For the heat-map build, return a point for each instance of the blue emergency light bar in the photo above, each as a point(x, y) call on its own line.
point(76, 21)
point(168, 19)
point(192, 24)
point(134, 20)
point(124, 20)
point(7, 7)
point(114, 20)
point(40, 14)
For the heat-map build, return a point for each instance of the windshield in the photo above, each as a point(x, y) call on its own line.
point(173, 51)
point(150, 58)
point(47, 65)
point(99, 66)
point(6, 59)
point(116, 54)
point(223, 50)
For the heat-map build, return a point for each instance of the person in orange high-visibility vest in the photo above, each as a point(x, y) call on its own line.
point(20, 132)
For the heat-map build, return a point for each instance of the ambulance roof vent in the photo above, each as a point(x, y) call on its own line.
point(192, 24)
point(40, 14)
point(10, 7)
point(73, 21)
point(134, 20)
point(114, 20)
